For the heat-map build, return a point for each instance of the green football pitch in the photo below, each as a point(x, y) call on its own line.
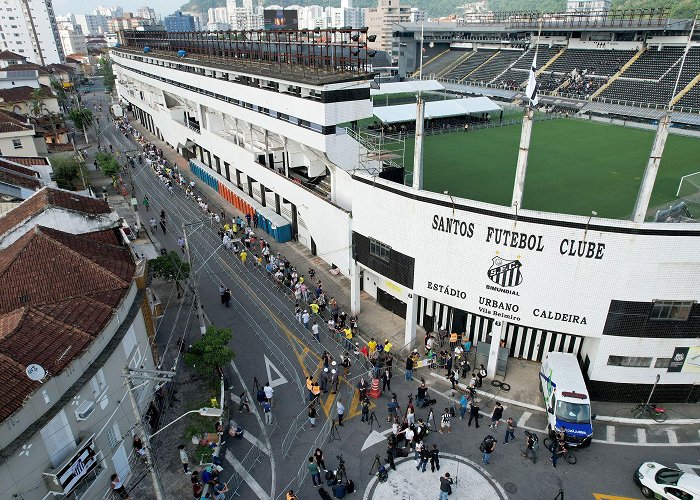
point(574, 166)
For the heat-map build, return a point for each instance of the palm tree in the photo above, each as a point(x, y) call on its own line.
point(36, 104)
point(82, 118)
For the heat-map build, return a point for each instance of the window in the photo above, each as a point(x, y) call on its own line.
point(629, 361)
point(379, 250)
point(668, 310)
point(58, 439)
point(662, 362)
point(98, 383)
point(114, 436)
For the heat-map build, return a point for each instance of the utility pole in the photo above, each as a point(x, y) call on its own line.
point(157, 486)
point(193, 278)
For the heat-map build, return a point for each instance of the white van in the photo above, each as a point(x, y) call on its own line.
point(566, 398)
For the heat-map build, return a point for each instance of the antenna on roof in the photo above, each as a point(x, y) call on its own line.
point(36, 372)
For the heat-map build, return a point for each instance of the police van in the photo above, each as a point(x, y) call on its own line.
point(566, 398)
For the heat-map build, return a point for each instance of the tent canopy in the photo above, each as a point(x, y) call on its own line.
point(408, 87)
point(436, 109)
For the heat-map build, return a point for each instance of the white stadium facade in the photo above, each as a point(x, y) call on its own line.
point(264, 122)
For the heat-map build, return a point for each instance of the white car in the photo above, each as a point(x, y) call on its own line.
point(661, 482)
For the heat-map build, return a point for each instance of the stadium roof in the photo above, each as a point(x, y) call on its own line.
point(436, 109)
point(407, 87)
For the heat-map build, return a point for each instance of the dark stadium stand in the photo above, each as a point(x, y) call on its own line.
point(594, 62)
point(441, 62)
point(495, 66)
point(518, 73)
point(474, 61)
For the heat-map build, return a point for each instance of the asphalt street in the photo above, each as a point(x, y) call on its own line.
point(270, 344)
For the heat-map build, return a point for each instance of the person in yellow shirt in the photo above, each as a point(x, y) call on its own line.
point(310, 387)
point(314, 307)
point(244, 256)
point(348, 337)
point(226, 227)
point(372, 345)
point(387, 346)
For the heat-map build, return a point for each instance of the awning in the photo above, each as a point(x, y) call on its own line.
point(409, 87)
point(436, 109)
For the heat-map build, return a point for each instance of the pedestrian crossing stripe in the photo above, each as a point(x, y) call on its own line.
point(605, 496)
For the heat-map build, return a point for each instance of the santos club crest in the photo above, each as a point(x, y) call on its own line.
point(505, 272)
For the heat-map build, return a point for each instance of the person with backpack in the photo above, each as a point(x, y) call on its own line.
point(445, 421)
point(481, 375)
point(531, 447)
point(510, 429)
point(488, 445)
point(445, 486)
point(365, 410)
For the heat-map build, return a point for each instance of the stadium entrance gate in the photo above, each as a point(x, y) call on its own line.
point(521, 341)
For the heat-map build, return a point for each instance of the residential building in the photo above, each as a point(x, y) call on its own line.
point(127, 22)
point(179, 22)
point(147, 13)
point(218, 26)
point(40, 165)
point(588, 6)
point(18, 99)
point(83, 316)
point(18, 137)
point(115, 11)
point(15, 71)
point(200, 18)
point(217, 15)
point(92, 24)
point(72, 41)
point(32, 35)
point(417, 15)
point(381, 21)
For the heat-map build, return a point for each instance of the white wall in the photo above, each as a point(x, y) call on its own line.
point(634, 267)
point(27, 140)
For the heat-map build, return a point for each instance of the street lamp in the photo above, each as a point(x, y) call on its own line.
point(593, 214)
point(204, 412)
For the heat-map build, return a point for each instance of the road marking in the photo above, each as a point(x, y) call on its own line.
point(252, 439)
point(605, 496)
point(641, 436)
point(375, 437)
point(235, 399)
point(611, 433)
point(672, 438)
point(269, 367)
point(241, 471)
point(524, 418)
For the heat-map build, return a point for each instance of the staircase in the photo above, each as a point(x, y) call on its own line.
point(549, 63)
point(685, 90)
point(416, 73)
point(617, 75)
point(452, 66)
point(480, 66)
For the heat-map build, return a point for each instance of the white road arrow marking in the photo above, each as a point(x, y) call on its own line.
point(374, 438)
point(274, 382)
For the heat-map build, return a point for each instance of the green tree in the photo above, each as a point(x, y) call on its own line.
point(170, 268)
point(68, 172)
point(36, 104)
point(82, 117)
point(107, 73)
point(107, 163)
point(210, 354)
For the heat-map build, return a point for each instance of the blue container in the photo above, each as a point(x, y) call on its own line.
point(146, 49)
point(181, 53)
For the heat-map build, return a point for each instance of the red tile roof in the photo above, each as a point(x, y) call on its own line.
point(9, 123)
point(10, 165)
point(23, 93)
point(27, 160)
point(14, 179)
point(11, 56)
point(26, 66)
point(48, 197)
point(57, 293)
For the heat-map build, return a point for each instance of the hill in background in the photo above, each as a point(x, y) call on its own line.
point(436, 8)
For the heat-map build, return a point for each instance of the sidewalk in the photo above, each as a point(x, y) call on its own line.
point(375, 321)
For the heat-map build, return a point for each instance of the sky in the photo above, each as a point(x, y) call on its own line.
point(162, 7)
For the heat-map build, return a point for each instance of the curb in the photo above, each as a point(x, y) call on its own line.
point(649, 422)
point(599, 418)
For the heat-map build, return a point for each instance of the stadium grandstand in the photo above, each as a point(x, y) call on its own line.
point(620, 63)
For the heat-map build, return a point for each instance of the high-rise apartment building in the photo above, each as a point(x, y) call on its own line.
point(92, 24)
point(72, 41)
point(381, 21)
point(179, 22)
point(29, 28)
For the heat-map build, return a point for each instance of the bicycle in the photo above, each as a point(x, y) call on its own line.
point(650, 410)
point(565, 452)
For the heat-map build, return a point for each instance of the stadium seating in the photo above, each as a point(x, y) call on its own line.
point(652, 77)
point(691, 99)
point(495, 66)
point(439, 64)
point(518, 73)
point(470, 64)
point(591, 62)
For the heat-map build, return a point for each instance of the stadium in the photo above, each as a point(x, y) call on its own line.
point(298, 127)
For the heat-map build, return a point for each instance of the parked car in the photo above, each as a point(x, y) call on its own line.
point(661, 482)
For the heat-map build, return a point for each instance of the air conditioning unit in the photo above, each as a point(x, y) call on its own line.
point(84, 411)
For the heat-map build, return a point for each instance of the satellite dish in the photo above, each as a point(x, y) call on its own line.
point(36, 372)
point(113, 216)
